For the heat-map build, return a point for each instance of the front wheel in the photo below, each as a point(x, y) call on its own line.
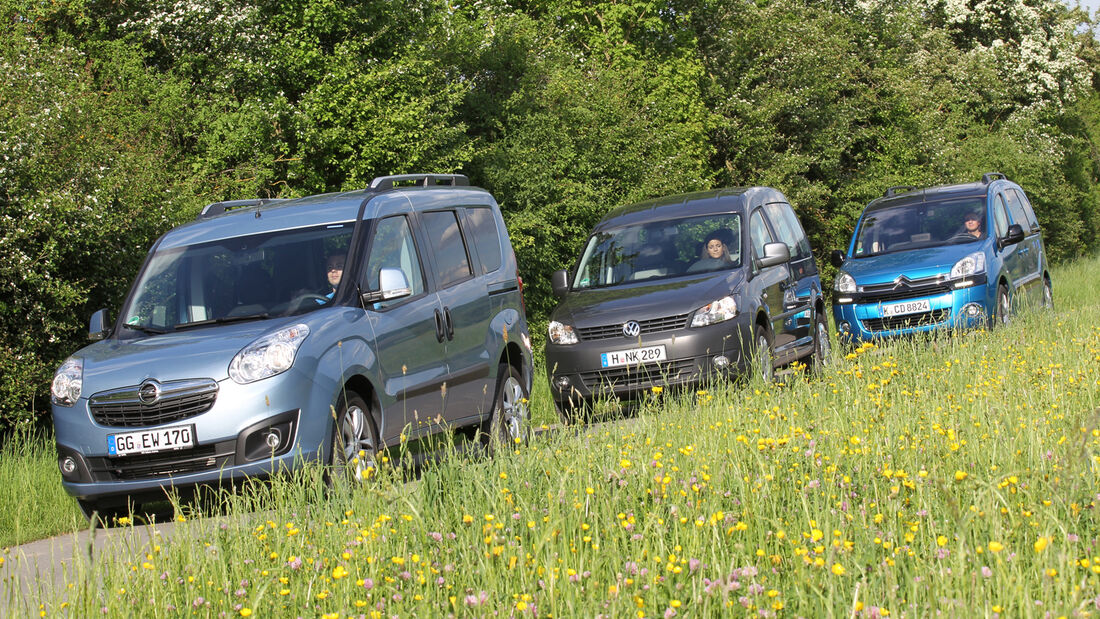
point(355, 440)
point(823, 349)
point(1003, 311)
point(511, 421)
point(764, 361)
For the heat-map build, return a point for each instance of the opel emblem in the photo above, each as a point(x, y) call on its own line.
point(149, 392)
point(631, 328)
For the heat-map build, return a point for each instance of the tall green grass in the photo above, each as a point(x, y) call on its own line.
point(955, 474)
point(33, 504)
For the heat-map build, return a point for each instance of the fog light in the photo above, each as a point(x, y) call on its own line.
point(68, 465)
point(721, 362)
point(845, 327)
point(972, 310)
point(561, 382)
point(273, 439)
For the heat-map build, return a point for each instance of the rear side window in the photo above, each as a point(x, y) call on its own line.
point(1016, 208)
point(485, 237)
point(452, 263)
point(788, 228)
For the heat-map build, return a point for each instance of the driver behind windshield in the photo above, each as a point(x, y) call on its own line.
point(334, 271)
point(715, 252)
point(972, 225)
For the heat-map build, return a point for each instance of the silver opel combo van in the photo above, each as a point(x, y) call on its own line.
point(273, 332)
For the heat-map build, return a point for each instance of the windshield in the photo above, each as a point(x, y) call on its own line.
point(919, 225)
point(661, 249)
point(271, 274)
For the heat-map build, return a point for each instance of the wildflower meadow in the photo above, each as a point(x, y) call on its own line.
point(955, 475)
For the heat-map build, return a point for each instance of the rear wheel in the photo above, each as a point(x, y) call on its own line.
point(1048, 294)
point(823, 349)
point(511, 422)
point(763, 360)
point(1003, 311)
point(355, 440)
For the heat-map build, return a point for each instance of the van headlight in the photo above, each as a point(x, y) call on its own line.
point(974, 264)
point(561, 334)
point(714, 312)
point(270, 355)
point(67, 382)
point(844, 283)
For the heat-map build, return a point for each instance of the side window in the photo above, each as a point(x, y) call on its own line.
point(451, 259)
point(393, 248)
point(788, 228)
point(1000, 216)
point(484, 236)
point(1027, 208)
point(759, 233)
point(1016, 209)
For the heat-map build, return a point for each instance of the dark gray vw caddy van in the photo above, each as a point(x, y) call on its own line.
point(675, 290)
point(397, 307)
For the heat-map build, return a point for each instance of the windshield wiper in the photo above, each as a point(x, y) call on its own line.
point(145, 329)
point(222, 320)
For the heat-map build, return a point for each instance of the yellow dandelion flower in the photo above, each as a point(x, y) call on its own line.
point(838, 569)
point(1041, 543)
point(960, 475)
point(996, 547)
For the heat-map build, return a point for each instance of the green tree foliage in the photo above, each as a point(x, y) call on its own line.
point(118, 121)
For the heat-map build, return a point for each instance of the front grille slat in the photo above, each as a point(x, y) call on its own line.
point(634, 376)
point(180, 400)
point(907, 321)
point(905, 289)
point(653, 325)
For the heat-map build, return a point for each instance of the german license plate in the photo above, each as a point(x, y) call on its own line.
point(633, 356)
point(908, 307)
point(151, 441)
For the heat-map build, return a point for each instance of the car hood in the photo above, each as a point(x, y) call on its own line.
point(195, 353)
point(643, 301)
point(914, 264)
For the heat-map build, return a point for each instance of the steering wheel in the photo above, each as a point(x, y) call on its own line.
point(300, 300)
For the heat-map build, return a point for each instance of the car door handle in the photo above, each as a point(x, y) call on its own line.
point(440, 334)
point(450, 323)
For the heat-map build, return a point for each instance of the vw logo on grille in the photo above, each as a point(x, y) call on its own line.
point(631, 328)
point(149, 392)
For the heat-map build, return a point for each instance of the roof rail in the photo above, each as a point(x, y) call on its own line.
point(217, 208)
point(989, 177)
point(893, 191)
point(420, 180)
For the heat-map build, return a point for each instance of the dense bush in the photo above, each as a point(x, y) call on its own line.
point(119, 121)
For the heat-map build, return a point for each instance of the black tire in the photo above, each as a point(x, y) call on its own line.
point(1048, 294)
point(355, 441)
point(510, 423)
point(823, 348)
point(1002, 311)
point(763, 359)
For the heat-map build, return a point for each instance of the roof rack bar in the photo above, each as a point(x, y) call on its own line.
point(217, 208)
point(896, 189)
point(989, 177)
point(420, 180)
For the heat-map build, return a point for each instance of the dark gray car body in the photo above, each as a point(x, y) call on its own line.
point(784, 299)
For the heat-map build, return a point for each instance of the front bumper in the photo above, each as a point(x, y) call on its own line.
point(693, 357)
point(964, 308)
point(232, 440)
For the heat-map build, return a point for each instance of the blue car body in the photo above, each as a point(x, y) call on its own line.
point(907, 271)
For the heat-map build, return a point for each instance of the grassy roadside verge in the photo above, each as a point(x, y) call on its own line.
point(957, 474)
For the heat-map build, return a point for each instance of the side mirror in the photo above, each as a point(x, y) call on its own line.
point(99, 325)
point(392, 285)
point(1015, 235)
point(774, 253)
point(837, 258)
point(559, 282)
